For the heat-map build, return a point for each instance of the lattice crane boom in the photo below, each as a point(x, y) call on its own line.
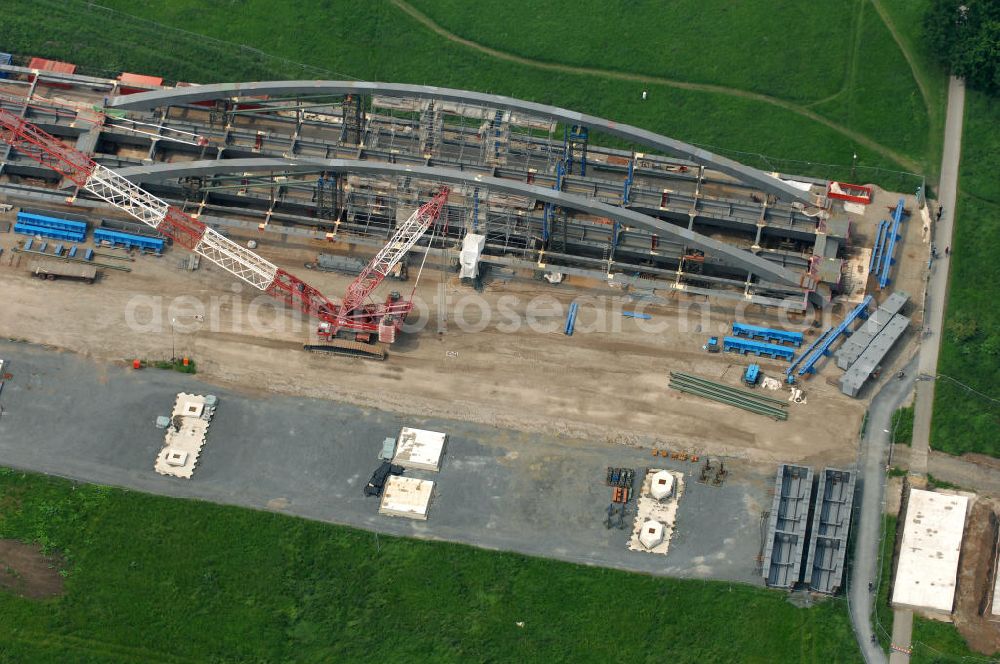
point(182, 228)
point(406, 235)
point(353, 313)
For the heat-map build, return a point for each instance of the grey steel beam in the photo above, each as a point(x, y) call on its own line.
point(761, 267)
point(188, 95)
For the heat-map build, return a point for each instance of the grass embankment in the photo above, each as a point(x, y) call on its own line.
point(937, 642)
point(902, 425)
point(883, 611)
point(860, 78)
point(379, 41)
point(151, 578)
point(967, 420)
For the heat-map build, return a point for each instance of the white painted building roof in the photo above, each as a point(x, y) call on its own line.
point(407, 497)
point(928, 557)
point(420, 449)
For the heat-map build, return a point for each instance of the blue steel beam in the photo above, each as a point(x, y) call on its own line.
point(822, 349)
point(887, 259)
point(766, 333)
point(744, 346)
point(875, 262)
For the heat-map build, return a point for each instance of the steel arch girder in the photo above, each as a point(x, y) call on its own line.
point(762, 268)
point(188, 95)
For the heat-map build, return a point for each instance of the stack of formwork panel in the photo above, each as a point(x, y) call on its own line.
point(831, 523)
point(856, 344)
point(786, 530)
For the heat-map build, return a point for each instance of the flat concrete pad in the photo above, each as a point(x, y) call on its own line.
point(500, 489)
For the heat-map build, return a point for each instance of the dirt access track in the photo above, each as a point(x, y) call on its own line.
point(609, 384)
point(975, 579)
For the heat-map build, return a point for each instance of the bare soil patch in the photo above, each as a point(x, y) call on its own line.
point(26, 571)
point(975, 580)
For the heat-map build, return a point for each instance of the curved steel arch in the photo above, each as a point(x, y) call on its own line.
point(761, 267)
point(187, 95)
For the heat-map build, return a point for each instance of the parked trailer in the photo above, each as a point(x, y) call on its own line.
point(52, 270)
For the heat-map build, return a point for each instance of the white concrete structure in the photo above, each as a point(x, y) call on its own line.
point(419, 449)
point(662, 485)
point(407, 497)
point(927, 570)
point(651, 534)
point(186, 429)
point(659, 511)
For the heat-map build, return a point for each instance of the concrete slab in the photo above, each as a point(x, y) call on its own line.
point(928, 557)
point(419, 449)
point(407, 497)
point(68, 415)
point(656, 514)
point(184, 437)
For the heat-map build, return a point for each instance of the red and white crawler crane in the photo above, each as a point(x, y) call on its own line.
point(355, 314)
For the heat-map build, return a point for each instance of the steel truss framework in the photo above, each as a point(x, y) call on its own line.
point(736, 257)
point(477, 141)
point(202, 93)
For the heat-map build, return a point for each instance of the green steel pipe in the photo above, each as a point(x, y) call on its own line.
point(705, 381)
point(744, 405)
point(773, 414)
point(763, 400)
point(749, 405)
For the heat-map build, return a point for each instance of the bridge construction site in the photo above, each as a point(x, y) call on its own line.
point(448, 233)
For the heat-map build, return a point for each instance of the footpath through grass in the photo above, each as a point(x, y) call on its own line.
point(149, 577)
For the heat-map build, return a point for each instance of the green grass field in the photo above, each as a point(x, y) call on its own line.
point(786, 88)
point(964, 420)
point(365, 40)
point(883, 611)
point(940, 643)
point(902, 426)
point(150, 578)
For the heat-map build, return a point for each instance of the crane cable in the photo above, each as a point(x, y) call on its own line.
point(430, 243)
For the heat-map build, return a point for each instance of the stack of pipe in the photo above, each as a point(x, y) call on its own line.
point(753, 402)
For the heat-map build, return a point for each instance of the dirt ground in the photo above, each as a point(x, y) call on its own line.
point(606, 382)
point(26, 571)
point(975, 580)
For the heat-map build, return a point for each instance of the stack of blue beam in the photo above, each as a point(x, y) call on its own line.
point(39, 225)
point(128, 240)
point(571, 319)
point(743, 346)
point(767, 334)
point(890, 246)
